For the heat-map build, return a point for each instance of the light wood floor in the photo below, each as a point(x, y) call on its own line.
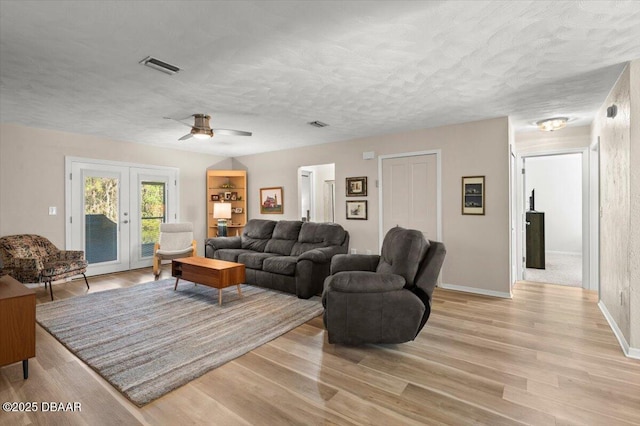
point(545, 357)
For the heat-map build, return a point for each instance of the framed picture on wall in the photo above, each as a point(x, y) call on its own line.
point(356, 186)
point(272, 200)
point(357, 210)
point(473, 195)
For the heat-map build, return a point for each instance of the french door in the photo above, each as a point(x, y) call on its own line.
point(115, 211)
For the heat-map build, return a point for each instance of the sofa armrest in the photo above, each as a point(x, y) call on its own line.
point(354, 262)
point(225, 242)
point(320, 255)
point(364, 282)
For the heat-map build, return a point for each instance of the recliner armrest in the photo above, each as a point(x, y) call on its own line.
point(354, 262)
point(364, 282)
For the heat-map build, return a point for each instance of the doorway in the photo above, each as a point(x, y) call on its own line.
point(115, 211)
point(316, 193)
point(410, 193)
point(555, 221)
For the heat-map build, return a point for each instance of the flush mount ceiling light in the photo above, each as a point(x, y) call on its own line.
point(551, 124)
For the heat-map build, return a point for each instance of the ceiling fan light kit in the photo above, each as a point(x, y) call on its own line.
point(201, 128)
point(551, 124)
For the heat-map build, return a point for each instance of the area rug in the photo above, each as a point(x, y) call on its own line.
point(148, 339)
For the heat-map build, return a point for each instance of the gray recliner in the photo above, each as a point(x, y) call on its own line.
point(385, 298)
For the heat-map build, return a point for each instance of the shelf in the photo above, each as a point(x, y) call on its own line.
point(216, 178)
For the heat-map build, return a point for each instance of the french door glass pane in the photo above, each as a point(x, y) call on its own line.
point(152, 210)
point(101, 218)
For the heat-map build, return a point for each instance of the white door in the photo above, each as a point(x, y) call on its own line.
point(306, 195)
point(152, 202)
point(99, 217)
point(116, 211)
point(410, 194)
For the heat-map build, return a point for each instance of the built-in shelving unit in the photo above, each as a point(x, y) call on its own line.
point(233, 184)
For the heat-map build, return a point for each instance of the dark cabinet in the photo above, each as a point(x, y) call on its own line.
point(17, 323)
point(535, 240)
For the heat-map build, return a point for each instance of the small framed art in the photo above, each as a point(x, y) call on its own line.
point(357, 210)
point(272, 200)
point(356, 186)
point(473, 195)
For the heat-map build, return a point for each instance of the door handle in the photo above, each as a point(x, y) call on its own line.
point(528, 223)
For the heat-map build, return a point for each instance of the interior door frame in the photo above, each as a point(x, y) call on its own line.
point(381, 158)
point(588, 246)
point(173, 213)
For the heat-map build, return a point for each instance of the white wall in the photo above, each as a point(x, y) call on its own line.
point(477, 246)
point(557, 180)
point(32, 177)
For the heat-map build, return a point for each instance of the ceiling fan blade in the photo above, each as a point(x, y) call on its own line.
point(180, 120)
point(232, 132)
point(185, 137)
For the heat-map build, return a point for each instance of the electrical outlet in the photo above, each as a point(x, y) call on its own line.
point(354, 251)
point(368, 251)
point(53, 211)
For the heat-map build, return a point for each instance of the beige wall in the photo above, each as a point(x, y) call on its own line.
point(619, 191)
point(634, 195)
point(32, 165)
point(477, 246)
point(537, 141)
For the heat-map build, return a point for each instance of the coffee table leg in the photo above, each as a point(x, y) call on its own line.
point(239, 291)
point(175, 287)
point(220, 297)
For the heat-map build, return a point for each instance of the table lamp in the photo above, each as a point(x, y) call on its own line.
point(222, 212)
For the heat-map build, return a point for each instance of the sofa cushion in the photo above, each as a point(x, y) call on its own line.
point(402, 252)
point(230, 255)
point(285, 235)
point(254, 260)
point(315, 235)
point(257, 233)
point(283, 265)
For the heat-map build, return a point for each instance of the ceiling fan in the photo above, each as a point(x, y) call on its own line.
point(201, 128)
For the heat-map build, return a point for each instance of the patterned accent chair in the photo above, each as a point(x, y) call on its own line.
point(34, 259)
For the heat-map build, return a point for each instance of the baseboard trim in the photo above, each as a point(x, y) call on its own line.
point(476, 290)
point(629, 352)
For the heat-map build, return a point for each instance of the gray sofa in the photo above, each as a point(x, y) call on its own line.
point(286, 255)
point(386, 298)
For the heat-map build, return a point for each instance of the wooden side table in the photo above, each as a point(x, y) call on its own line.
point(17, 323)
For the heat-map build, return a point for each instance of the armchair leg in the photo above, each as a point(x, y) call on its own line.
point(50, 289)
point(85, 280)
point(156, 266)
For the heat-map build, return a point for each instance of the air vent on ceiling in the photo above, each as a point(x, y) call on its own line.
point(159, 65)
point(317, 124)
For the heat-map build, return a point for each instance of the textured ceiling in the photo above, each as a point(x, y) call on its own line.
point(366, 68)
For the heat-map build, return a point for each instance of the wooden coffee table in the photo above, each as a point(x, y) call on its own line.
point(211, 272)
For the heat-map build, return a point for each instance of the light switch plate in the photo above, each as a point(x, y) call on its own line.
point(53, 211)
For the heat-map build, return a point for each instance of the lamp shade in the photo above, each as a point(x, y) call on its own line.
point(222, 210)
